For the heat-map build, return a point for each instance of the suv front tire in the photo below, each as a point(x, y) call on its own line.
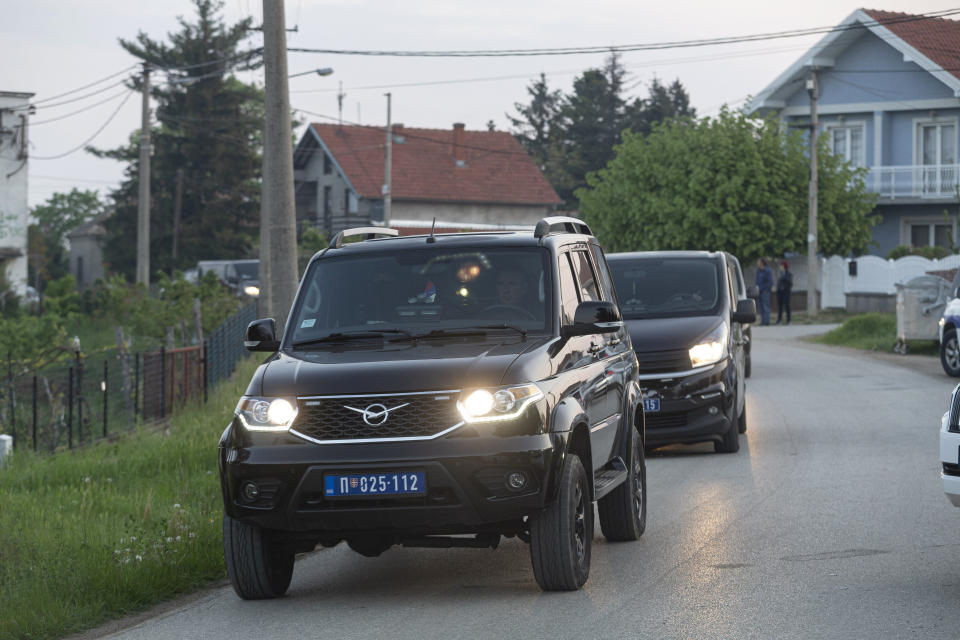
point(259, 567)
point(561, 534)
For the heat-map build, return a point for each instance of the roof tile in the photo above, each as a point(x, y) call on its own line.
point(936, 38)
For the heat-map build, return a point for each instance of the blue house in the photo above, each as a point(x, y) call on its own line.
point(889, 100)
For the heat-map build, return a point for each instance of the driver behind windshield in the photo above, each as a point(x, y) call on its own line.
point(512, 287)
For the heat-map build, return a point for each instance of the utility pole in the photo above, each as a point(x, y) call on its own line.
point(387, 196)
point(143, 203)
point(814, 90)
point(340, 96)
point(278, 225)
point(177, 204)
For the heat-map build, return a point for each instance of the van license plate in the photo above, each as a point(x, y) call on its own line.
point(403, 483)
point(651, 405)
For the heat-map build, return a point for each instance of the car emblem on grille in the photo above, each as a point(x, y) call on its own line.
point(376, 414)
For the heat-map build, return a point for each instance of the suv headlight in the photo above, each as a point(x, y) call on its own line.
point(493, 405)
point(711, 349)
point(266, 414)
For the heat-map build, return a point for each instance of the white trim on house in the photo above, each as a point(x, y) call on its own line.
point(814, 58)
point(861, 107)
point(877, 138)
point(333, 159)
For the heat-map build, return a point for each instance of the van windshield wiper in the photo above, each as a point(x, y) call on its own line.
point(346, 336)
point(478, 330)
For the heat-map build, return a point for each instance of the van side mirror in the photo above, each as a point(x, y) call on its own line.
point(746, 311)
point(262, 335)
point(753, 291)
point(594, 316)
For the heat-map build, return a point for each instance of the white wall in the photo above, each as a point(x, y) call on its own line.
point(874, 275)
point(14, 213)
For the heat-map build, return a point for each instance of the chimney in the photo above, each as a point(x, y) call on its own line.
point(459, 153)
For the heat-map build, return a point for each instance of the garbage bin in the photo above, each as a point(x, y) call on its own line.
point(920, 303)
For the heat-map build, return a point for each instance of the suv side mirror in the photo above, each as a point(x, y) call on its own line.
point(746, 311)
point(262, 335)
point(594, 316)
point(753, 291)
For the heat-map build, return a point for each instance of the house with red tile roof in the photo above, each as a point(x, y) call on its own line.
point(889, 101)
point(465, 179)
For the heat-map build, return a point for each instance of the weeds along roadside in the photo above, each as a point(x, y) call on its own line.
point(93, 534)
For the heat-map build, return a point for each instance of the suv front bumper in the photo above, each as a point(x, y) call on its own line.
point(465, 478)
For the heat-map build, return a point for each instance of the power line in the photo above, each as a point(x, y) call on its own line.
point(32, 105)
point(95, 134)
point(87, 108)
point(86, 86)
point(678, 44)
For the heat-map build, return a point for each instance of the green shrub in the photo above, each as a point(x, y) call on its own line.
point(931, 253)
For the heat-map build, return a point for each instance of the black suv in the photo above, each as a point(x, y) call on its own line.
point(439, 391)
point(688, 317)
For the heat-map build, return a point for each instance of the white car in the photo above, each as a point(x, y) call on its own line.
point(950, 449)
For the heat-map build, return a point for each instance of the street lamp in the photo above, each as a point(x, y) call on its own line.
point(324, 71)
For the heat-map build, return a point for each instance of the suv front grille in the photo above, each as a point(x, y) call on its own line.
point(409, 415)
point(663, 361)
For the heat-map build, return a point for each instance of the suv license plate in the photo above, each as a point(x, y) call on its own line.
point(404, 483)
point(651, 405)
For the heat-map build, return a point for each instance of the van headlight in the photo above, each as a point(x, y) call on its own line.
point(266, 414)
point(712, 348)
point(493, 405)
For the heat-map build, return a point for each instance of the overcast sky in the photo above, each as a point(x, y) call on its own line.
point(52, 46)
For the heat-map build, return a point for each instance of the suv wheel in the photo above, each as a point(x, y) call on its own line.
point(623, 512)
point(742, 420)
point(950, 353)
point(258, 566)
point(561, 534)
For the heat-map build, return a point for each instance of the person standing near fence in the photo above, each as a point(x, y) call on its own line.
point(784, 287)
point(764, 284)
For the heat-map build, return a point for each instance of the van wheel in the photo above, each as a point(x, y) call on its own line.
point(730, 443)
point(561, 534)
point(623, 512)
point(742, 420)
point(258, 567)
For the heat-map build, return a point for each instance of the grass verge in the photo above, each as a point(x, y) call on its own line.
point(873, 332)
point(90, 535)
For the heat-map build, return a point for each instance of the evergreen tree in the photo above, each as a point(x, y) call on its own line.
point(210, 125)
point(538, 123)
point(661, 103)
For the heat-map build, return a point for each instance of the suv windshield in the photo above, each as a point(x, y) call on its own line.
point(666, 287)
point(415, 292)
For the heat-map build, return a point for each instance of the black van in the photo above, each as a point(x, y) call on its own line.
point(686, 318)
point(439, 391)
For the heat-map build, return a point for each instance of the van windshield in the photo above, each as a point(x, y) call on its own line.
point(415, 292)
point(666, 287)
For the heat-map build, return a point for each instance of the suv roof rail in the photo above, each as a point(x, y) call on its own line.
point(560, 224)
point(337, 241)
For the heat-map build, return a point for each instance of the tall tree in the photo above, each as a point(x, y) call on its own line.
point(538, 123)
point(728, 183)
point(210, 125)
point(662, 102)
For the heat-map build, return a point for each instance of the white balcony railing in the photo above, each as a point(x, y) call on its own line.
point(915, 181)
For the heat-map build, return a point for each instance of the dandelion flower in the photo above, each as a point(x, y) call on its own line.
point(87, 479)
point(193, 535)
point(176, 505)
point(133, 539)
point(169, 539)
point(139, 558)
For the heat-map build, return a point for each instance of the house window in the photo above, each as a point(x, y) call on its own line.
point(937, 144)
point(327, 164)
point(930, 234)
point(847, 142)
point(327, 204)
point(351, 201)
point(80, 270)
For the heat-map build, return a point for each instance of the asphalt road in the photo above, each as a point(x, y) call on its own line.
point(829, 523)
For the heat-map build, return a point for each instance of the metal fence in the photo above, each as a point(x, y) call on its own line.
point(99, 395)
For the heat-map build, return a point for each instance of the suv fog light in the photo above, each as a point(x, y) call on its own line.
point(713, 411)
point(250, 492)
point(516, 481)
